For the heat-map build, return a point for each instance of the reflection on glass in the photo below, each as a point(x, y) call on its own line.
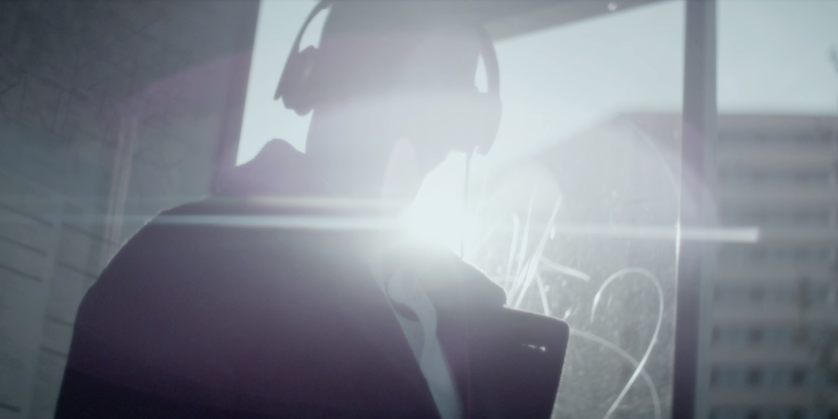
point(580, 233)
point(574, 210)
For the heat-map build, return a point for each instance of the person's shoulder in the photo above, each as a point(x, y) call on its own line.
point(181, 228)
point(210, 205)
point(167, 224)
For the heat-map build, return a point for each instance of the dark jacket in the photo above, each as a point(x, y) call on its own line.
point(256, 303)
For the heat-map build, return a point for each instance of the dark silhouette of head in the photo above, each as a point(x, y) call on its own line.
point(392, 84)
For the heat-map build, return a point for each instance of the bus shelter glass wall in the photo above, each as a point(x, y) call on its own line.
point(576, 212)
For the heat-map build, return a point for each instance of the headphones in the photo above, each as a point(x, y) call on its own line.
point(295, 87)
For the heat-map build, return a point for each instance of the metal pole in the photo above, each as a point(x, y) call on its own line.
point(698, 137)
point(229, 131)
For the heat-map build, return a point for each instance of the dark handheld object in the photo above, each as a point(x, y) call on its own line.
point(516, 359)
point(296, 86)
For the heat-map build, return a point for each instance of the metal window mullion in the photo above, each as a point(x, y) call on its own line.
point(697, 210)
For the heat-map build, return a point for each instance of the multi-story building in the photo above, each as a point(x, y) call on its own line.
point(774, 339)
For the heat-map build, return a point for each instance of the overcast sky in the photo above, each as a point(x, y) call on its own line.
point(773, 57)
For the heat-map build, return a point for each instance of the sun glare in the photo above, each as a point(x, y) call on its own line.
point(438, 214)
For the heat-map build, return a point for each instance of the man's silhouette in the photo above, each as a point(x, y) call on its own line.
point(288, 293)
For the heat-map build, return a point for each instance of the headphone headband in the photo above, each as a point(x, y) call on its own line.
point(295, 87)
point(284, 88)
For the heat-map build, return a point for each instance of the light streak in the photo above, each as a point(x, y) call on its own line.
point(747, 234)
point(615, 276)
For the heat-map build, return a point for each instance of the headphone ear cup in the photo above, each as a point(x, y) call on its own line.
point(489, 123)
point(294, 85)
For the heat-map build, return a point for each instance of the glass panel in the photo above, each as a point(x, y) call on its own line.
point(574, 210)
point(776, 169)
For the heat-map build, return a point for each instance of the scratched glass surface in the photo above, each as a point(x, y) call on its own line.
point(585, 234)
point(581, 225)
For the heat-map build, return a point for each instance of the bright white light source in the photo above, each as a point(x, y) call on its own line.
point(439, 222)
point(438, 214)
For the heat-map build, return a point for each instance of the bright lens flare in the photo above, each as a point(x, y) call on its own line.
point(437, 215)
point(438, 223)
